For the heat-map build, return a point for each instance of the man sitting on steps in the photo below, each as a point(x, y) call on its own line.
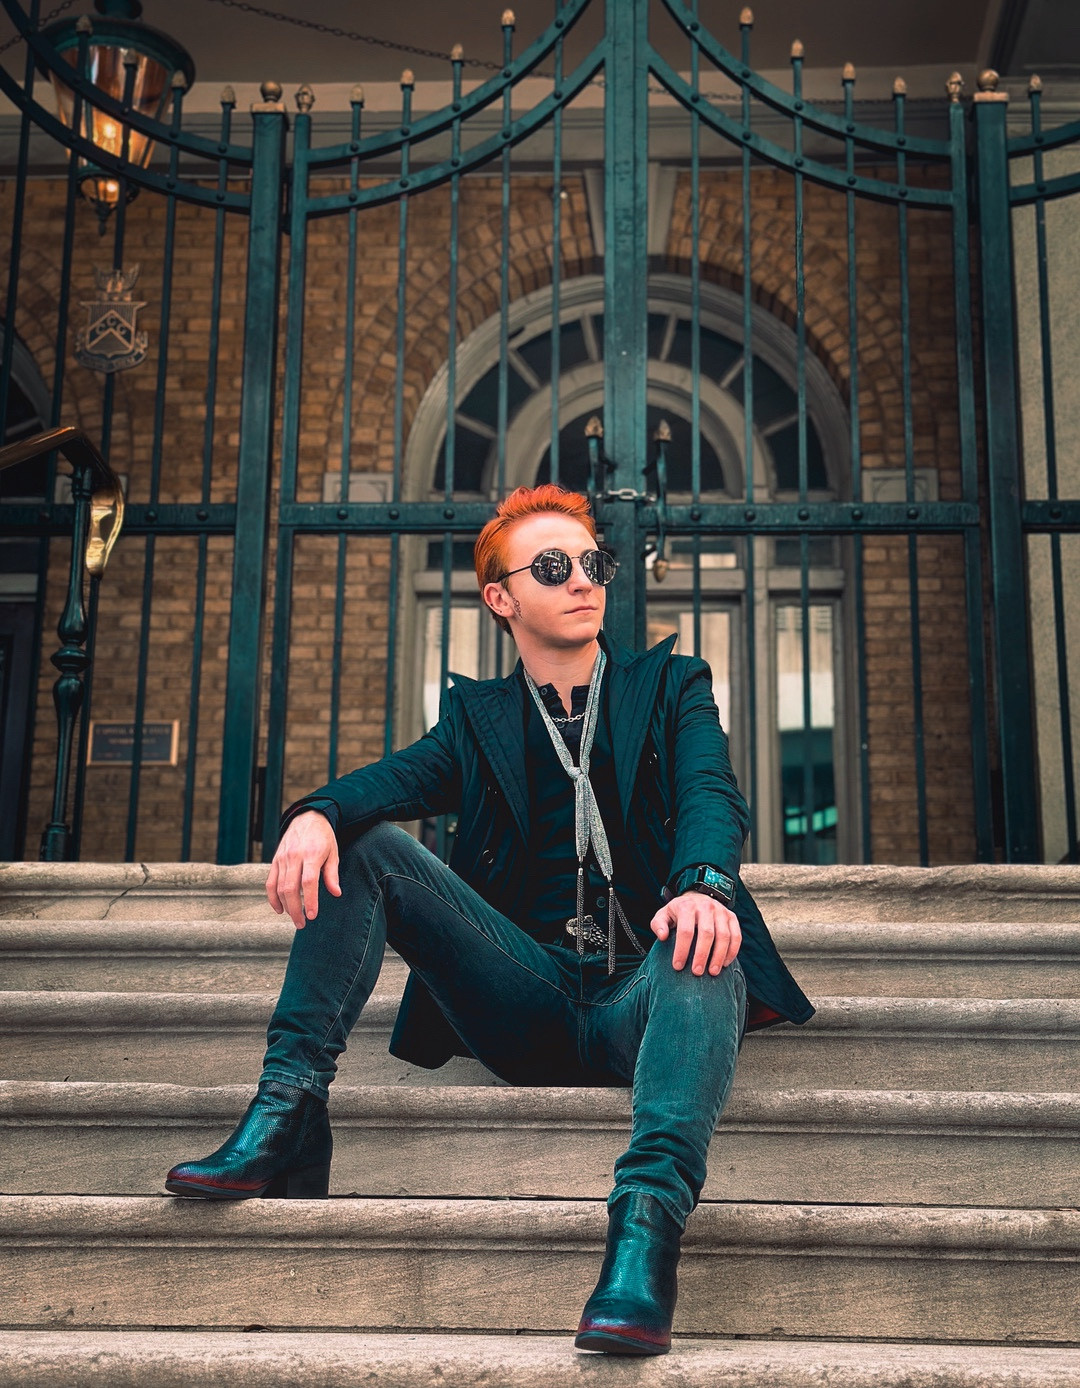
point(591, 928)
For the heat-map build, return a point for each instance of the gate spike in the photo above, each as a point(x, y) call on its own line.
point(1035, 85)
point(84, 24)
point(508, 20)
point(849, 72)
point(457, 53)
point(899, 87)
point(228, 96)
point(955, 87)
point(594, 429)
point(304, 98)
point(407, 78)
point(746, 18)
point(663, 432)
point(797, 49)
point(356, 96)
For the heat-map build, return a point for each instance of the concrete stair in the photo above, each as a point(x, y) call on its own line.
point(892, 1196)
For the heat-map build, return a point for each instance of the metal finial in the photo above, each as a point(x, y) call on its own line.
point(129, 57)
point(407, 78)
point(508, 20)
point(1035, 85)
point(594, 429)
point(270, 91)
point(179, 81)
point(899, 87)
point(356, 96)
point(797, 49)
point(457, 53)
point(84, 24)
point(746, 18)
point(660, 569)
point(955, 87)
point(849, 72)
point(663, 432)
point(988, 80)
point(304, 98)
point(228, 96)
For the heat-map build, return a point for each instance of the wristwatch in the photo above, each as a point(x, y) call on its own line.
point(707, 879)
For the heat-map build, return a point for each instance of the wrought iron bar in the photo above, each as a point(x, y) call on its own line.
point(228, 101)
point(1008, 574)
point(254, 462)
point(155, 487)
point(15, 254)
point(291, 405)
point(746, 24)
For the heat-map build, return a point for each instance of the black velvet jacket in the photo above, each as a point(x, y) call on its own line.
point(679, 798)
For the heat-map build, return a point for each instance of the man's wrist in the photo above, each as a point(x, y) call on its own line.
point(708, 880)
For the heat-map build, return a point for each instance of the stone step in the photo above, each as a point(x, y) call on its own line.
point(883, 958)
point(823, 1147)
point(223, 1359)
point(832, 1271)
point(1024, 1045)
point(787, 893)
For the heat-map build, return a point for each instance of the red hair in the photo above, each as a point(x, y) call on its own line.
point(490, 551)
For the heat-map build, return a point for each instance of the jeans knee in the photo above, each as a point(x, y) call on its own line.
point(381, 846)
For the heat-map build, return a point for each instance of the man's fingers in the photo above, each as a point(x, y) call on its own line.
point(309, 889)
point(330, 872)
point(271, 888)
point(684, 938)
point(291, 895)
point(706, 934)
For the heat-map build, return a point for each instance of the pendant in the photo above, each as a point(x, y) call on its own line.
point(590, 931)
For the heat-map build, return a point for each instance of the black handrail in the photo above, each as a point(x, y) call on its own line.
point(99, 514)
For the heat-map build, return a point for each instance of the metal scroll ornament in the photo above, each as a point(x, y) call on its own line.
point(110, 341)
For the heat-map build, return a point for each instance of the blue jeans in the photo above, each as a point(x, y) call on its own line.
point(532, 1013)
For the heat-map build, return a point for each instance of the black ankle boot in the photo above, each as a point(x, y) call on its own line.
point(631, 1309)
point(280, 1149)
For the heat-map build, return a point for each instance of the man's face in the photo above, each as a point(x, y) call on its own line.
point(569, 615)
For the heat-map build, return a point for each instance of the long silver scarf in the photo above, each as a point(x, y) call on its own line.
point(588, 823)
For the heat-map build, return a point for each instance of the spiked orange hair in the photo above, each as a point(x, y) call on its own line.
point(490, 551)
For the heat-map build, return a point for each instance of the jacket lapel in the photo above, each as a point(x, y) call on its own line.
point(496, 710)
point(632, 693)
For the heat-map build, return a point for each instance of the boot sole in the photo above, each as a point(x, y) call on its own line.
point(608, 1342)
point(312, 1183)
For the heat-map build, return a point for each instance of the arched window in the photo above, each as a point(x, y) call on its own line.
point(768, 700)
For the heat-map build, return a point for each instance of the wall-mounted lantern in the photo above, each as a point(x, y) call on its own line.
point(129, 62)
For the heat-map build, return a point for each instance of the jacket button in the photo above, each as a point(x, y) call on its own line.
point(487, 857)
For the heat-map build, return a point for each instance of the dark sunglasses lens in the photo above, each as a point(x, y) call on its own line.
point(552, 567)
point(599, 566)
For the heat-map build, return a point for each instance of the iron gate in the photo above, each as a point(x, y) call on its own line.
point(845, 437)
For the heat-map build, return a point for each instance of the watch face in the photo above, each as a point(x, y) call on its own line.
point(712, 878)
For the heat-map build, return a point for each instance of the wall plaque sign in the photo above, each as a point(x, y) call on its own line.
point(114, 743)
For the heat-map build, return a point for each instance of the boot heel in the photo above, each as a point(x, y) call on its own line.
point(312, 1183)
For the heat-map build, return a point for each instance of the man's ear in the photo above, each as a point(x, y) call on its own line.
point(498, 599)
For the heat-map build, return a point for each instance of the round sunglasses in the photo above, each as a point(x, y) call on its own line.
point(554, 566)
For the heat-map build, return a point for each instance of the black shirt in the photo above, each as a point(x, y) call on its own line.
point(550, 895)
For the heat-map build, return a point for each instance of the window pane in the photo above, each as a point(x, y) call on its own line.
point(715, 646)
point(464, 651)
point(807, 762)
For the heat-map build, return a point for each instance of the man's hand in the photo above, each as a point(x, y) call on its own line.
point(307, 849)
point(696, 914)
